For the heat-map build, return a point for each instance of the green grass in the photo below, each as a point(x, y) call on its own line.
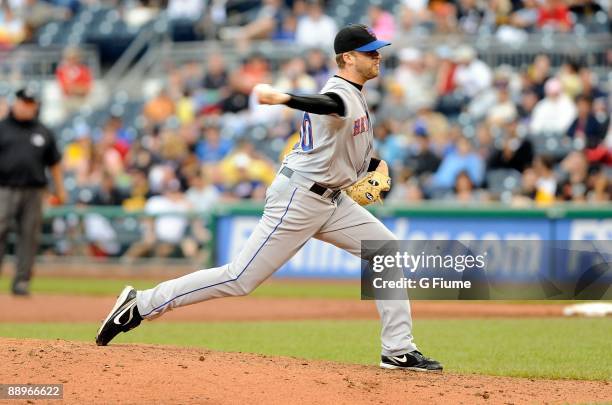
point(542, 348)
point(101, 287)
point(277, 288)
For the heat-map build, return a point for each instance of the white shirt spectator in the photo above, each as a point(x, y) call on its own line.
point(316, 33)
point(168, 228)
point(415, 80)
point(554, 113)
point(188, 9)
point(416, 5)
point(203, 199)
point(473, 77)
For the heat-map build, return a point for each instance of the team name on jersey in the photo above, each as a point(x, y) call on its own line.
point(361, 125)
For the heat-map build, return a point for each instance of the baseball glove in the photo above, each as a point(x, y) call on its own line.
point(368, 189)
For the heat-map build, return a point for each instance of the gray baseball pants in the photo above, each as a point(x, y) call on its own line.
point(292, 215)
point(22, 208)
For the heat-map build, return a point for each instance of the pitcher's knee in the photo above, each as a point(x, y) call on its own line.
point(239, 285)
point(244, 288)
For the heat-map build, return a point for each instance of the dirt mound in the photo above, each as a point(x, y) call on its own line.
point(59, 308)
point(139, 374)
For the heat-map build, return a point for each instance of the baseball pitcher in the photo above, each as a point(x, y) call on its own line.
point(318, 193)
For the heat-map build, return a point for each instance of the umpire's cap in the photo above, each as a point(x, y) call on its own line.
point(357, 37)
point(28, 93)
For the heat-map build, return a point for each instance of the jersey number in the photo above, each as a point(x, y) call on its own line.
point(306, 141)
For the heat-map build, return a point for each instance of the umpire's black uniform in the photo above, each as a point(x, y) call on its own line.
point(27, 147)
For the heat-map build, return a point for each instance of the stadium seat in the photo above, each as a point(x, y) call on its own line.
point(502, 180)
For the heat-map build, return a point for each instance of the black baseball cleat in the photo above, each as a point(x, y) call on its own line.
point(410, 361)
point(123, 317)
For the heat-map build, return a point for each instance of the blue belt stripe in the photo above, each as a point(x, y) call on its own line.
point(243, 270)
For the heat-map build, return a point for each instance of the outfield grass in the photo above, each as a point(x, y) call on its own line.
point(102, 287)
point(543, 348)
point(276, 288)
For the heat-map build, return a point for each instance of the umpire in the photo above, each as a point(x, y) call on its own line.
point(27, 148)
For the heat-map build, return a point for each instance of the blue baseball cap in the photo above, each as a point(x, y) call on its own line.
point(357, 37)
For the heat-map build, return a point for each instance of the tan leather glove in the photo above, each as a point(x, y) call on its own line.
point(367, 190)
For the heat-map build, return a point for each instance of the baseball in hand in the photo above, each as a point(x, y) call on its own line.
point(266, 94)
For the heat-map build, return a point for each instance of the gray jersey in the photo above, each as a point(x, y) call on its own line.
point(335, 151)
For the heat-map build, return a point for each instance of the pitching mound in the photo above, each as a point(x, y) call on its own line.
point(146, 374)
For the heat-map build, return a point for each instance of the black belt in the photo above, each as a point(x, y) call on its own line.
point(316, 187)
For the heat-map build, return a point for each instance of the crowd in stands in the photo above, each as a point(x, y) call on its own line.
point(450, 127)
point(314, 22)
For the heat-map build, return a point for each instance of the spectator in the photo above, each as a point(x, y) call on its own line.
point(516, 152)
point(286, 32)
point(529, 99)
point(584, 9)
point(185, 9)
point(316, 21)
point(107, 193)
point(78, 152)
point(213, 148)
point(75, 79)
point(444, 15)
point(216, 73)
point(472, 75)
point(494, 104)
point(470, 15)
point(526, 17)
point(570, 81)
point(159, 108)
point(382, 22)
point(202, 195)
point(546, 183)
point(554, 14)
point(246, 159)
point(538, 74)
point(586, 127)
point(237, 99)
point(463, 158)
point(391, 147)
point(415, 19)
point(574, 173)
point(590, 88)
point(12, 28)
point(245, 186)
point(528, 188)
point(504, 109)
point(167, 225)
point(266, 24)
point(422, 160)
point(416, 81)
point(36, 13)
point(555, 113)
point(316, 67)
point(464, 190)
point(600, 187)
point(294, 79)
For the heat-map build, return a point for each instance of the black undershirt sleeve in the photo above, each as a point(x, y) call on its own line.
point(325, 104)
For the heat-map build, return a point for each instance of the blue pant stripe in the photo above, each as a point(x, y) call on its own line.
point(243, 270)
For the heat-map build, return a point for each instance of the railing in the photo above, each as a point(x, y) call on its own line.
point(32, 62)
